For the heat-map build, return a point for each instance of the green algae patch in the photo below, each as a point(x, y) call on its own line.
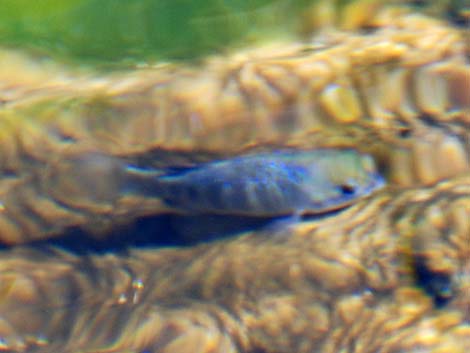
point(113, 31)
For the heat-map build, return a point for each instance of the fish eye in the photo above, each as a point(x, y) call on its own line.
point(347, 189)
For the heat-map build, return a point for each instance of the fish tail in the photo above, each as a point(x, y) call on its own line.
point(142, 181)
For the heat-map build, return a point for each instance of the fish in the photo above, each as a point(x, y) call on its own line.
point(265, 184)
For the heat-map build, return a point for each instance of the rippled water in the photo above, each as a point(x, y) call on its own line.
point(99, 94)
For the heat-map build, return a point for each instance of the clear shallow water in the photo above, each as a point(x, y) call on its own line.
point(164, 284)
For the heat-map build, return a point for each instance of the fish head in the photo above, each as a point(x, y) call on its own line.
point(347, 176)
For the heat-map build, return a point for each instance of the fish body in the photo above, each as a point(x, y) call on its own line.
point(265, 184)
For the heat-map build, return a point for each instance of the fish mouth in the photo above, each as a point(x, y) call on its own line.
point(379, 183)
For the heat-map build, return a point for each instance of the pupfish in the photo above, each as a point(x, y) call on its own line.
point(264, 184)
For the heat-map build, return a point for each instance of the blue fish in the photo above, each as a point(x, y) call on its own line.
point(265, 184)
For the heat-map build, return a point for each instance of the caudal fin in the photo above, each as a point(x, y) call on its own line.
point(142, 181)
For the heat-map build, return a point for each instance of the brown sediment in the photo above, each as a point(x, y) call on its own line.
point(345, 283)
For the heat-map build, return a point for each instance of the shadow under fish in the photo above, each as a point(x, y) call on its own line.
point(189, 230)
point(171, 230)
